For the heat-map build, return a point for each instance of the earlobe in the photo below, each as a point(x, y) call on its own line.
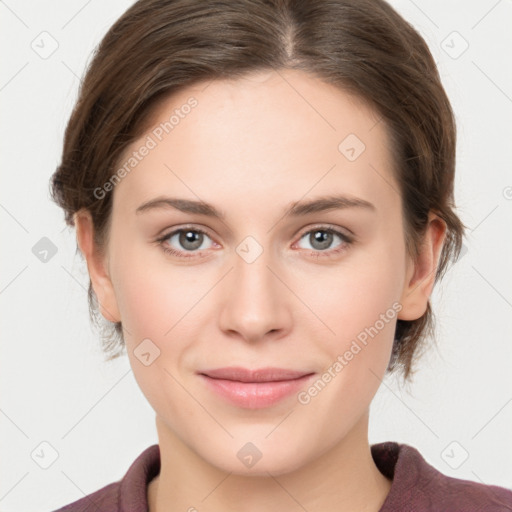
point(421, 273)
point(96, 266)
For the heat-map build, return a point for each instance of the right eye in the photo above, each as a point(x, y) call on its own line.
point(190, 241)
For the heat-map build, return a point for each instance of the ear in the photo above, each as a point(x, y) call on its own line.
point(97, 266)
point(421, 273)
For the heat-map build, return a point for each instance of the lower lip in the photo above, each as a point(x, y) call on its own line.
point(255, 395)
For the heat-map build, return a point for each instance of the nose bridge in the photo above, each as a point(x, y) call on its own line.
point(251, 269)
point(254, 304)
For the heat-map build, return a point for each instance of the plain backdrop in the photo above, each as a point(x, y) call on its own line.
point(63, 407)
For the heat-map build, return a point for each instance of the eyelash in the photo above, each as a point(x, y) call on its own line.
point(347, 241)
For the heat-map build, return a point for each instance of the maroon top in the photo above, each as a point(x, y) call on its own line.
point(416, 487)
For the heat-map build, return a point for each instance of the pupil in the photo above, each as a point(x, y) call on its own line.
point(322, 238)
point(191, 237)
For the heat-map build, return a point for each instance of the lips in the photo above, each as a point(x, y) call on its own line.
point(259, 375)
point(254, 389)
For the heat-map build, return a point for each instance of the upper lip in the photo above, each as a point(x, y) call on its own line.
point(258, 375)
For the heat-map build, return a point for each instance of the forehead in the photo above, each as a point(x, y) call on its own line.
point(272, 135)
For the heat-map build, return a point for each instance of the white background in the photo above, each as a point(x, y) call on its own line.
point(56, 387)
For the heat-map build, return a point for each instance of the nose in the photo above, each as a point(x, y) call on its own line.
point(255, 302)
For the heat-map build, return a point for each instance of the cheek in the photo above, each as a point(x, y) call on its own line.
point(157, 304)
point(362, 307)
point(145, 297)
point(362, 312)
point(142, 304)
point(160, 300)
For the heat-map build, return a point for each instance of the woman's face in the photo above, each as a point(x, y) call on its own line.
point(259, 286)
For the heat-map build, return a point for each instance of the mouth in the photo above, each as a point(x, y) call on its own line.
point(254, 389)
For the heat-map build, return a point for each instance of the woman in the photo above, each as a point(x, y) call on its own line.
point(263, 193)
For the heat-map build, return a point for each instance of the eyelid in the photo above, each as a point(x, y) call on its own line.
point(328, 227)
point(168, 231)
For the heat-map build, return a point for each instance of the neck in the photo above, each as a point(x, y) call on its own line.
point(343, 479)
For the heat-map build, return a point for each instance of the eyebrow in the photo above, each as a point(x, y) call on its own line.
point(295, 209)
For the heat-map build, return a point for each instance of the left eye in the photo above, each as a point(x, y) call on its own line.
point(320, 239)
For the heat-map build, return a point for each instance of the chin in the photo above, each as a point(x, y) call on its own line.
point(256, 457)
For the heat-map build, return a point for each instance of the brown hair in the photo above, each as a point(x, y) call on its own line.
point(362, 46)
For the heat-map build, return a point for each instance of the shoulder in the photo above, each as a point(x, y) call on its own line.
point(129, 493)
point(419, 486)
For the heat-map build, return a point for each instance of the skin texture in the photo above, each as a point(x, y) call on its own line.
point(251, 147)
